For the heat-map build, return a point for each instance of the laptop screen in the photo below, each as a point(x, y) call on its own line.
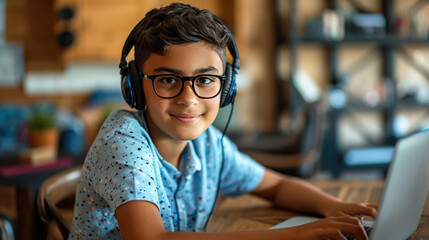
point(406, 188)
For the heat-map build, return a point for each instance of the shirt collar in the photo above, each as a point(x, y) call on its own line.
point(192, 160)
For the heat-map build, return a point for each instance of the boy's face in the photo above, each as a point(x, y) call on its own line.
point(187, 116)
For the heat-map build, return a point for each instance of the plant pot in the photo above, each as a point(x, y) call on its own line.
point(44, 138)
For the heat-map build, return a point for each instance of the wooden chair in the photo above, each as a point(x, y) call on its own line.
point(296, 153)
point(6, 228)
point(292, 154)
point(54, 193)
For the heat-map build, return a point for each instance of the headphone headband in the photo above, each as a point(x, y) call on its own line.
point(129, 43)
point(232, 46)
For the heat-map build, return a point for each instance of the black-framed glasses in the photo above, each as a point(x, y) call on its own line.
point(172, 85)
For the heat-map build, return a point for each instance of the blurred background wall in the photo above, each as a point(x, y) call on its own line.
point(99, 30)
point(375, 83)
point(325, 89)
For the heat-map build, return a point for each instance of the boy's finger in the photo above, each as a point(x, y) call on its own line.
point(372, 205)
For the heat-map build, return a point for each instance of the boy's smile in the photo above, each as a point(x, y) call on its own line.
point(186, 116)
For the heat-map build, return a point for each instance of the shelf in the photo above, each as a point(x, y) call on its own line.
point(383, 41)
point(400, 105)
point(356, 107)
point(389, 47)
point(411, 105)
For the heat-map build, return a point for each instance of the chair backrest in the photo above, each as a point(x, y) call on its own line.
point(6, 229)
point(53, 190)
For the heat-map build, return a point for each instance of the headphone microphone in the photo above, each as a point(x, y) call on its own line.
point(132, 87)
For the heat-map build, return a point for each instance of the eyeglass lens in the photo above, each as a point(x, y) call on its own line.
point(205, 86)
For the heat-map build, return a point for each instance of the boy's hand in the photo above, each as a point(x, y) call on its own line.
point(327, 228)
point(352, 209)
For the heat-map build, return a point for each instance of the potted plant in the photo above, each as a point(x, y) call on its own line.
point(43, 131)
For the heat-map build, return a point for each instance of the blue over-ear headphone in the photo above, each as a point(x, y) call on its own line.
point(132, 88)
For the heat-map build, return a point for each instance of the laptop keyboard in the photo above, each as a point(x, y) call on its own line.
point(367, 230)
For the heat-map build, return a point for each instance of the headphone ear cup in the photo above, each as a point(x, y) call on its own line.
point(137, 87)
point(228, 90)
point(126, 87)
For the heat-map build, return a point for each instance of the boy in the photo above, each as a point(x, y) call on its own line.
point(155, 173)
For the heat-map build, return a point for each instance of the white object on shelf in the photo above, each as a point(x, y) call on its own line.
point(77, 78)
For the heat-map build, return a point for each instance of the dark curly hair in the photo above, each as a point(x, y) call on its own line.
point(177, 24)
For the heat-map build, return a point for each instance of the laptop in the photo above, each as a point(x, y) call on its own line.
point(404, 193)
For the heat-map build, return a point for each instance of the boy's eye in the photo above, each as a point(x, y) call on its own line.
point(168, 80)
point(204, 80)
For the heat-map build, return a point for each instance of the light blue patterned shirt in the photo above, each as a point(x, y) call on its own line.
point(123, 165)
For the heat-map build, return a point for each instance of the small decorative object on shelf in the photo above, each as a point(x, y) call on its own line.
point(43, 136)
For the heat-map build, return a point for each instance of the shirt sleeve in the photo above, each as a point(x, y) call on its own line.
point(240, 174)
point(124, 168)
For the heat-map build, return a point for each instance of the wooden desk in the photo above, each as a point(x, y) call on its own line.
point(251, 213)
point(26, 180)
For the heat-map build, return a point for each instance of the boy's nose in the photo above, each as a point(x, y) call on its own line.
point(187, 97)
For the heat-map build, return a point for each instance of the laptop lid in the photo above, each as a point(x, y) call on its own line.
point(405, 191)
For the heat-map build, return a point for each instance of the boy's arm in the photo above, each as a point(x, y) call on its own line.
point(297, 195)
point(141, 220)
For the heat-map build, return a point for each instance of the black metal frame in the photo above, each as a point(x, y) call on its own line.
point(388, 45)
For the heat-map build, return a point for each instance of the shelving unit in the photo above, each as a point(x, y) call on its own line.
point(389, 45)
